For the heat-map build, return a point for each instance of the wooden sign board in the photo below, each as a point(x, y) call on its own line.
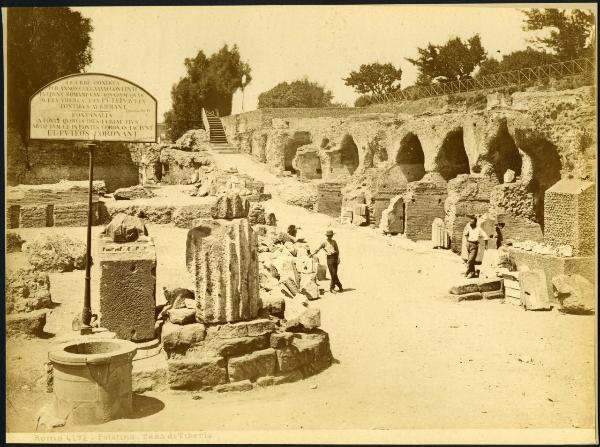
point(93, 107)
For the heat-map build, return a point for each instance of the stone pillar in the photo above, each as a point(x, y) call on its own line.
point(128, 287)
point(222, 256)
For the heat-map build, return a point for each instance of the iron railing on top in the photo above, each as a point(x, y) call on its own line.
point(523, 76)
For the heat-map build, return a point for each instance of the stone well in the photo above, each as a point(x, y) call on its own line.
point(92, 380)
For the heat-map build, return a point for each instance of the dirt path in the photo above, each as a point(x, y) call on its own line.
point(407, 357)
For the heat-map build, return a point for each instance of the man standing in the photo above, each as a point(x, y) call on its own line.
point(473, 233)
point(330, 247)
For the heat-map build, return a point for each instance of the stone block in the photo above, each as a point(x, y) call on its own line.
point(360, 214)
point(75, 214)
point(244, 385)
point(35, 216)
point(288, 358)
point(473, 296)
point(575, 294)
point(224, 261)
point(279, 340)
point(195, 373)
point(253, 365)
point(309, 287)
point(251, 328)
point(128, 288)
point(314, 353)
point(469, 286)
point(304, 264)
point(182, 315)
point(493, 295)
point(231, 347)
point(177, 339)
point(489, 285)
point(290, 377)
point(26, 324)
point(273, 303)
point(534, 294)
point(13, 213)
point(392, 218)
point(321, 272)
point(27, 290)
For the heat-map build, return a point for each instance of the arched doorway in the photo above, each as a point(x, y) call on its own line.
point(410, 158)
point(452, 158)
point(546, 167)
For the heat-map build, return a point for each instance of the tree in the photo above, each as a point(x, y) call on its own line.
point(42, 44)
point(363, 101)
point(375, 79)
point(209, 83)
point(569, 30)
point(516, 60)
point(449, 62)
point(300, 93)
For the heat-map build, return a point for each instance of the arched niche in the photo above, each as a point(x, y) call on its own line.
point(349, 153)
point(504, 153)
point(292, 144)
point(410, 158)
point(452, 158)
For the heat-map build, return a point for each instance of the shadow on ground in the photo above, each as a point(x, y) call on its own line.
point(144, 406)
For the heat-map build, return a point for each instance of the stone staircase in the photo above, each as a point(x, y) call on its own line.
point(218, 139)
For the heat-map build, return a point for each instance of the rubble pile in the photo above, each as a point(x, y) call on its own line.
point(27, 300)
point(55, 253)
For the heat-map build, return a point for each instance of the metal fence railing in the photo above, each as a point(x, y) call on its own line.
point(520, 77)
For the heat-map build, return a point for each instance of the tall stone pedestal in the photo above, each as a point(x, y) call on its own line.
point(128, 287)
point(222, 256)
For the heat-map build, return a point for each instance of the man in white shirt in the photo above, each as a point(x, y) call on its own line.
point(473, 233)
point(330, 247)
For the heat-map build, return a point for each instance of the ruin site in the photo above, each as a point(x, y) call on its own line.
point(459, 213)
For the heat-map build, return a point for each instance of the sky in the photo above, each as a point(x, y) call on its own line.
point(148, 45)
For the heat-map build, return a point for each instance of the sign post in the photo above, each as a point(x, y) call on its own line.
point(92, 108)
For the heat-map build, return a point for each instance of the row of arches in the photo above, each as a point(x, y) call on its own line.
point(503, 154)
point(349, 156)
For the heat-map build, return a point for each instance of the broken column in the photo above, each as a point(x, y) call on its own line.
point(127, 282)
point(222, 255)
point(392, 218)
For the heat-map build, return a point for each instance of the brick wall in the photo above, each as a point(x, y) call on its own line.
point(329, 199)
point(423, 203)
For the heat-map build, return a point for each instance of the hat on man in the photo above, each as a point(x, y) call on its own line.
point(329, 233)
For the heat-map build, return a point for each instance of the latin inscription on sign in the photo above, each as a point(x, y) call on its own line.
point(93, 107)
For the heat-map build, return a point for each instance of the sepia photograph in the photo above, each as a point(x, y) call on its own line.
point(300, 224)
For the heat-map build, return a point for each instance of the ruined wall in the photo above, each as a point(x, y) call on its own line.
point(423, 203)
point(539, 136)
point(51, 161)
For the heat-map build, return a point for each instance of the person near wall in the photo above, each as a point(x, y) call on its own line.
point(330, 247)
point(473, 234)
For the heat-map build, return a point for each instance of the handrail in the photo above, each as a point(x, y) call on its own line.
point(494, 80)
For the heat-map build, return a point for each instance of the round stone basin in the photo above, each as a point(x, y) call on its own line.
point(92, 380)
